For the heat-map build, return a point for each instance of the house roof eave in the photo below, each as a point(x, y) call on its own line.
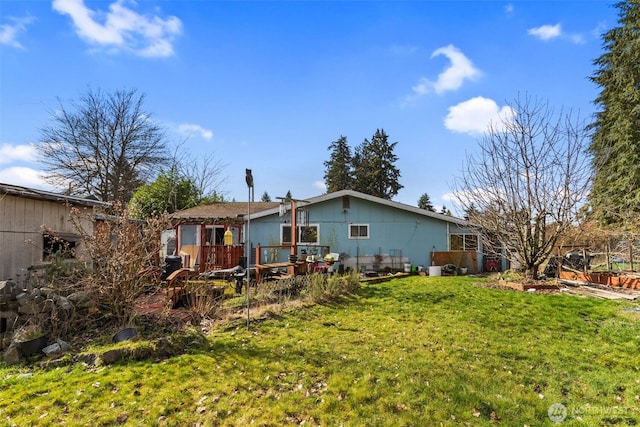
point(368, 197)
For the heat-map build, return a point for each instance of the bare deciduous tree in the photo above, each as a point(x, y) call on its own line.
point(105, 145)
point(527, 182)
point(205, 172)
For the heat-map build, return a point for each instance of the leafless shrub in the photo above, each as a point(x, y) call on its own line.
point(117, 249)
point(322, 287)
point(204, 298)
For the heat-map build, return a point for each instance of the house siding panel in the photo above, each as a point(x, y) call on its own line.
point(393, 231)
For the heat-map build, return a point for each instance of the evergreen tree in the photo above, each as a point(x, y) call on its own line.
point(615, 146)
point(374, 167)
point(214, 197)
point(471, 212)
point(424, 202)
point(265, 197)
point(170, 192)
point(338, 173)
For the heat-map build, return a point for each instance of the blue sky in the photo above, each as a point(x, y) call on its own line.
point(268, 85)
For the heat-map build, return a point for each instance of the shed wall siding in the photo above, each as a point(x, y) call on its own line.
point(21, 222)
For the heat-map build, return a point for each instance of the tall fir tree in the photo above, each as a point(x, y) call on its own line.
point(470, 213)
point(615, 146)
point(374, 167)
point(338, 172)
point(424, 202)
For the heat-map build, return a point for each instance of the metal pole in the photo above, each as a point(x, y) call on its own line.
point(248, 245)
point(249, 180)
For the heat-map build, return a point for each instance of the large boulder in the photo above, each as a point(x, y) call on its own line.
point(62, 302)
point(57, 347)
point(34, 304)
point(12, 356)
point(110, 357)
point(8, 290)
point(81, 299)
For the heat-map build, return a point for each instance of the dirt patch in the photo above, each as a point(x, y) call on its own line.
point(525, 286)
point(521, 284)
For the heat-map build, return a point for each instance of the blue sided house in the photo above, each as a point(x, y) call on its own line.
point(362, 232)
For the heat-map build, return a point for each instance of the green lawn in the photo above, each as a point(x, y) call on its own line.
point(415, 351)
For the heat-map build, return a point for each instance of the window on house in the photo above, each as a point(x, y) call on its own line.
point(456, 242)
point(63, 245)
point(470, 242)
point(306, 234)
point(214, 235)
point(359, 231)
point(463, 242)
point(189, 235)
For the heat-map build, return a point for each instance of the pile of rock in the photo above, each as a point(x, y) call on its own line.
point(23, 314)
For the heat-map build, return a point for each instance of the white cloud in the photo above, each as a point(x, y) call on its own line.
point(546, 32)
point(13, 153)
point(475, 115)
point(320, 185)
point(24, 176)
point(9, 32)
point(452, 78)
point(599, 29)
point(189, 129)
point(122, 28)
point(549, 32)
point(509, 9)
point(450, 197)
point(467, 196)
point(577, 38)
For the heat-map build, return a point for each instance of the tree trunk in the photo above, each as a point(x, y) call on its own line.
point(531, 272)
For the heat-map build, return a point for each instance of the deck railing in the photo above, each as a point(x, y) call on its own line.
point(217, 257)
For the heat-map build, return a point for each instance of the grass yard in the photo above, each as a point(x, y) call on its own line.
point(415, 351)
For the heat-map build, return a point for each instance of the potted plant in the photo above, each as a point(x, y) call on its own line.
point(30, 340)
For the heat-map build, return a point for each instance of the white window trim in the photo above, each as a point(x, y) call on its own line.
point(213, 232)
point(464, 241)
point(298, 234)
point(368, 236)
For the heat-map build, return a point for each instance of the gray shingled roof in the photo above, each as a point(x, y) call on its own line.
point(222, 210)
point(37, 194)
